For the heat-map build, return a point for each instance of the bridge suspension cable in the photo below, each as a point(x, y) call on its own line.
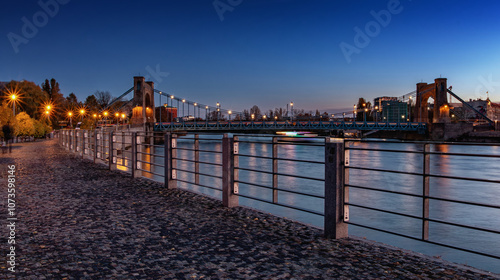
point(200, 106)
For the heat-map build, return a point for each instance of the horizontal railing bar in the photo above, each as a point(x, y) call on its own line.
point(150, 163)
point(384, 170)
point(281, 190)
point(426, 241)
point(464, 226)
point(384, 211)
point(384, 150)
point(203, 186)
point(282, 205)
point(150, 172)
point(202, 174)
point(382, 190)
point(279, 174)
point(465, 202)
point(201, 151)
point(200, 162)
point(464, 155)
point(464, 178)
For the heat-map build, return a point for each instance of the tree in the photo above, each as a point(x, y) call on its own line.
point(255, 110)
point(71, 101)
point(25, 125)
point(103, 98)
point(91, 104)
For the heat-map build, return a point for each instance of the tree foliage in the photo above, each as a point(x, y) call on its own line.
point(25, 125)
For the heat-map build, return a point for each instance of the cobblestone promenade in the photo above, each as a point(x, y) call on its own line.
point(77, 220)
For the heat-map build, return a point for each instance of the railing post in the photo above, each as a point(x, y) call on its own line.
point(334, 225)
point(95, 145)
point(197, 159)
point(275, 170)
point(425, 192)
point(229, 197)
point(135, 163)
point(83, 132)
point(170, 161)
point(112, 159)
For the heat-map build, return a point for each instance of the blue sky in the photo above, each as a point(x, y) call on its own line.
point(264, 53)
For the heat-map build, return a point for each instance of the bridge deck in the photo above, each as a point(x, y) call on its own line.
point(295, 125)
point(78, 220)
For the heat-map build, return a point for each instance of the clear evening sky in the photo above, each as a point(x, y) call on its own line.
point(320, 54)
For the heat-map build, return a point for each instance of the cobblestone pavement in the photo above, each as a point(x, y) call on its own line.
point(78, 220)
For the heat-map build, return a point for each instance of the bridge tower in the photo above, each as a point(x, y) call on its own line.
point(438, 92)
point(143, 112)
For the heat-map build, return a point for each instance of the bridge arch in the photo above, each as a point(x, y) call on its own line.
point(441, 108)
point(143, 111)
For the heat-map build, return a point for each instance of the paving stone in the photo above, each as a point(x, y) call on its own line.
point(78, 220)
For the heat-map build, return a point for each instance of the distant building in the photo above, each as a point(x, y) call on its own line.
point(378, 102)
point(486, 107)
point(393, 111)
point(168, 113)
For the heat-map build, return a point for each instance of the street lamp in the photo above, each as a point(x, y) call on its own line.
point(13, 97)
point(366, 110)
point(229, 112)
point(82, 112)
point(291, 105)
point(70, 119)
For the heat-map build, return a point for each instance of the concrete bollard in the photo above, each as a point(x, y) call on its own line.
point(335, 213)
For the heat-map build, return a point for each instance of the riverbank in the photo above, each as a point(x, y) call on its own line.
point(78, 220)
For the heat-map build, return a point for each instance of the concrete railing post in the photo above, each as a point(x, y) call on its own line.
point(135, 162)
point(229, 197)
point(95, 145)
point(170, 161)
point(334, 225)
point(112, 158)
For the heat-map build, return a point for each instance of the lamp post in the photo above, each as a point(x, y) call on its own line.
point(291, 107)
point(161, 106)
point(354, 112)
point(364, 116)
point(82, 112)
point(229, 113)
point(218, 110)
point(376, 112)
point(409, 108)
point(13, 97)
point(70, 119)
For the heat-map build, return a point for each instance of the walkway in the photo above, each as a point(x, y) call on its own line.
point(77, 220)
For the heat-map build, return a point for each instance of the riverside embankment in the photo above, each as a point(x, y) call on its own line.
point(78, 220)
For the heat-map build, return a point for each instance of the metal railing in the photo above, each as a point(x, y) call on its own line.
point(425, 192)
point(360, 183)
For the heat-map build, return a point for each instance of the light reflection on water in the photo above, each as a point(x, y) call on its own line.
point(460, 166)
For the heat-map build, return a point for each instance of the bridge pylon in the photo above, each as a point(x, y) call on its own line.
point(143, 112)
point(438, 92)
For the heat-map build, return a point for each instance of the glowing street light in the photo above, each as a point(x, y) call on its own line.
point(13, 97)
point(70, 115)
point(229, 112)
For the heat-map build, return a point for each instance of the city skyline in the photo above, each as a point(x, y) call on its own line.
point(320, 55)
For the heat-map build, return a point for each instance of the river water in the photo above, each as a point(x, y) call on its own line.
point(448, 165)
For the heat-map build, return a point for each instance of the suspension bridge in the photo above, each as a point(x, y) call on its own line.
point(182, 114)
